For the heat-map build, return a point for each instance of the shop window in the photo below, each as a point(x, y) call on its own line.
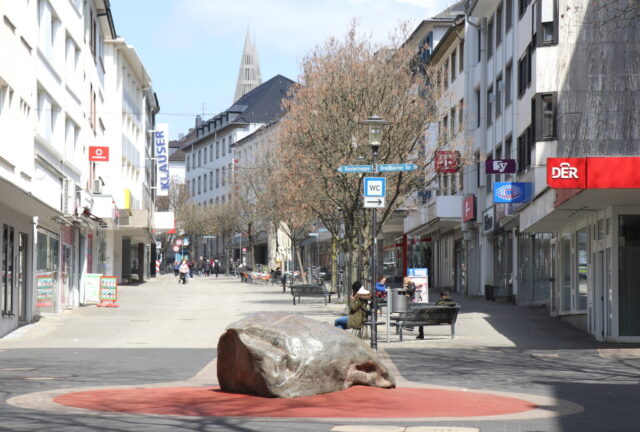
point(566, 273)
point(582, 244)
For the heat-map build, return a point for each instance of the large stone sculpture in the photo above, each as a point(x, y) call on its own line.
point(287, 355)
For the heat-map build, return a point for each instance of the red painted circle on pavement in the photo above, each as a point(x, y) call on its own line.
point(355, 402)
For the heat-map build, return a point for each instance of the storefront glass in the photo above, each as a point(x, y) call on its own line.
point(629, 274)
point(47, 263)
point(582, 243)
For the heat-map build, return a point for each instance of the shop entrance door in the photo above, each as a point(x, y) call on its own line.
point(23, 241)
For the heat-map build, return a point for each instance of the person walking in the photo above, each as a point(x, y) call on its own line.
point(207, 267)
point(184, 272)
point(216, 268)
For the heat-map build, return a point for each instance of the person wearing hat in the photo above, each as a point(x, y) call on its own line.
point(358, 308)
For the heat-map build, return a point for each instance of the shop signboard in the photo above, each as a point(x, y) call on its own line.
point(161, 139)
point(500, 166)
point(469, 208)
point(108, 295)
point(92, 288)
point(594, 173)
point(419, 277)
point(511, 192)
point(45, 291)
point(488, 220)
point(447, 161)
point(99, 153)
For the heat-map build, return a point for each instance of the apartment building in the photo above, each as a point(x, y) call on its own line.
point(53, 108)
point(209, 159)
point(550, 82)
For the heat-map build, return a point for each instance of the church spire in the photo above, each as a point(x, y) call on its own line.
point(249, 74)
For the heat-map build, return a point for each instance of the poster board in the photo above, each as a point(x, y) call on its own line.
point(420, 277)
point(44, 290)
point(108, 294)
point(92, 288)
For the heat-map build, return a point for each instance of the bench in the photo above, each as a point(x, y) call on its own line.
point(310, 291)
point(427, 315)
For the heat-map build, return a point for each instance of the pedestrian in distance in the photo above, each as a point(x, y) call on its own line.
point(358, 305)
point(184, 272)
point(207, 267)
point(216, 268)
point(176, 268)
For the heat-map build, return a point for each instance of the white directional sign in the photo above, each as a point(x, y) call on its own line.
point(374, 202)
point(375, 187)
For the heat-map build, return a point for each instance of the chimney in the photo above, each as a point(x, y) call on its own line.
point(198, 121)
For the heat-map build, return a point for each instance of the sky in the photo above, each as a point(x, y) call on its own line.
point(192, 48)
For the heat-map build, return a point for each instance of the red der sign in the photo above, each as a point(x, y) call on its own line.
point(567, 173)
point(447, 161)
point(594, 173)
point(99, 153)
point(469, 208)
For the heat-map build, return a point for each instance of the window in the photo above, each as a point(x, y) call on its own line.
point(187, 164)
point(490, 39)
point(582, 246)
point(443, 130)
point(210, 152)
point(461, 52)
point(478, 165)
point(224, 146)
point(453, 65)
point(229, 174)
point(199, 185)
point(193, 187)
point(489, 178)
point(199, 159)
point(508, 15)
point(545, 126)
point(460, 116)
point(217, 178)
point(507, 84)
point(490, 100)
point(547, 24)
point(523, 68)
point(479, 45)
point(499, 26)
point(204, 155)
point(204, 183)
point(445, 75)
point(498, 177)
point(217, 149)
point(499, 89)
point(478, 107)
point(523, 4)
point(524, 151)
point(224, 174)
point(211, 180)
point(453, 120)
point(507, 149)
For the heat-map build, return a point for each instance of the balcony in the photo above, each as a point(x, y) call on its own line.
point(440, 208)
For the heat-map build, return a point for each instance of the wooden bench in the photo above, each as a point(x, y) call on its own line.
point(310, 291)
point(427, 315)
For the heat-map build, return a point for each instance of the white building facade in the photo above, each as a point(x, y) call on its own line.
point(53, 102)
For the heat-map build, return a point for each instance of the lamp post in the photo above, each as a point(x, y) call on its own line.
point(375, 124)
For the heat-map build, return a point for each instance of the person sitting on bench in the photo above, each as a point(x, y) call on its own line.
point(444, 300)
point(358, 307)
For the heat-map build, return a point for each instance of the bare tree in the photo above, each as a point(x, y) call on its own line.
point(344, 82)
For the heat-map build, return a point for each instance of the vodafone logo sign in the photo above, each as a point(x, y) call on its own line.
point(567, 173)
point(99, 153)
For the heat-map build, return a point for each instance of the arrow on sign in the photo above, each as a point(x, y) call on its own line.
point(374, 202)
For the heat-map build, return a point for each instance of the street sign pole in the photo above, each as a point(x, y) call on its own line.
point(374, 246)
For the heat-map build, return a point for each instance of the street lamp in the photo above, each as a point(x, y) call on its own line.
point(375, 124)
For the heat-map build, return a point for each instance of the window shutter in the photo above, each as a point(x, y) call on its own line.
point(547, 11)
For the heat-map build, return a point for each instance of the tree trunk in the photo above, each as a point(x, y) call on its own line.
point(302, 272)
point(334, 263)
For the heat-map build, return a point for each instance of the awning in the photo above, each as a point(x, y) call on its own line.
point(24, 202)
point(436, 226)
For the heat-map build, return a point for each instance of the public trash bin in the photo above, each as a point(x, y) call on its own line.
point(398, 300)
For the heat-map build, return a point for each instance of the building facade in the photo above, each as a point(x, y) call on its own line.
point(53, 107)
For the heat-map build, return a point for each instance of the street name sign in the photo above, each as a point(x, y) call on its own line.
point(375, 187)
point(397, 167)
point(374, 202)
point(355, 169)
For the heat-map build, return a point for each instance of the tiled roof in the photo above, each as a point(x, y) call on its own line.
point(263, 104)
point(453, 11)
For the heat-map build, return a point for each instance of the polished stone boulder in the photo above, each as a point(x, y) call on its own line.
point(287, 355)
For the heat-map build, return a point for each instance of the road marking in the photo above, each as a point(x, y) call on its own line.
point(371, 428)
point(41, 379)
point(16, 369)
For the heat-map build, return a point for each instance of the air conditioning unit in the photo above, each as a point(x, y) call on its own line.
point(97, 187)
point(68, 196)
